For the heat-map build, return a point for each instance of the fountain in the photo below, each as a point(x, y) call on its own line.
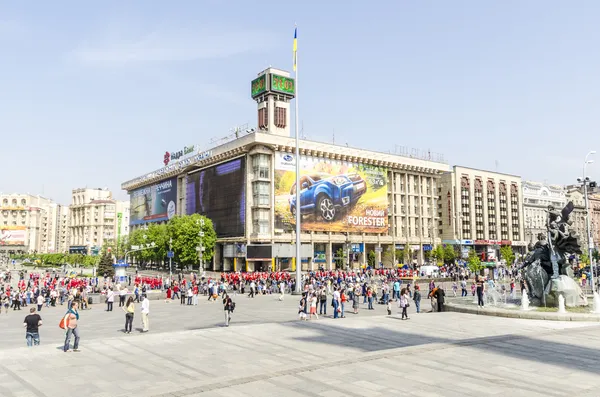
point(524, 301)
point(596, 304)
point(546, 269)
point(491, 296)
point(561, 304)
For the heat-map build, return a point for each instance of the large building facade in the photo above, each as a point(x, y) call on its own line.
point(95, 220)
point(481, 210)
point(353, 201)
point(536, 199)
point(30, 224)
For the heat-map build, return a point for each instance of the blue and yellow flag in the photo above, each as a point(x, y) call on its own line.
point(295, 46)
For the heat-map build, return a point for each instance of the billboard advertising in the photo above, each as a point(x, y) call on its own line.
point(154, 203)
point(12, 236)
point(335, 196)
point(219, 193)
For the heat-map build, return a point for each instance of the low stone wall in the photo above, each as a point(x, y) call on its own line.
point(530, 314)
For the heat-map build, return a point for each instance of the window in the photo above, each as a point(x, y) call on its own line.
point(280, 117)
point(263, 118)
point(261, 193)
point(261, 221)
point(261, 165)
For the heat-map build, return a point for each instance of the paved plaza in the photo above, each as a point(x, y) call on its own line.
point(267, 352)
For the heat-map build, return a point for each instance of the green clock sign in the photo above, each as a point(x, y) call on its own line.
point(282, 84)
point(259, 85)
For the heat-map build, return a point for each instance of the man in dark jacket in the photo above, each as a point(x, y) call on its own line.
point(439, 296)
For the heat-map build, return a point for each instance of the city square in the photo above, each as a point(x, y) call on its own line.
point(322, 199)
point(268, 351)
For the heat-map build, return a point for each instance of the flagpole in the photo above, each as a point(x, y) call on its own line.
point(298, 187)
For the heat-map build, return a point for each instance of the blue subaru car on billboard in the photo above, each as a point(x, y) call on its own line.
point(326, 196)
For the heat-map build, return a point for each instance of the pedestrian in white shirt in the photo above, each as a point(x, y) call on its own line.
point(145, 313)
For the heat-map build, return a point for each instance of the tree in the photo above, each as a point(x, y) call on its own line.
point(185, 231)
point(388, 257)
point(596, 255)
point(401, 256)
point(584, 258)
point(105, 267)
point(371, 259)
point(437, 254)
point(474, 262)
point(449, 254)
point(506, 253)
point(340, 258)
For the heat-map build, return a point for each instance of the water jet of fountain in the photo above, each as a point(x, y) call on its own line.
point(524, 300)
point(561, 304)
point(596, 303)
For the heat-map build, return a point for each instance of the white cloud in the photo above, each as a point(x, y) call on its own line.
point(174, 46)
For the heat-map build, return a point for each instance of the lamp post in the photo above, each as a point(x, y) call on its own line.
point(585, 182)
point(200, 248)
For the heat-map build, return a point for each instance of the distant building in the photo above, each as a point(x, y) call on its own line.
point(536, 199)
point(481, 210)
point(27, 223)
point(95, 220)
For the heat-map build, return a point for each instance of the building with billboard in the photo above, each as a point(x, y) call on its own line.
point(27, 224)
point(353, 201)
point(481, 210)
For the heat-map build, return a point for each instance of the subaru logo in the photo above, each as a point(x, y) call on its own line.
point(288, 157)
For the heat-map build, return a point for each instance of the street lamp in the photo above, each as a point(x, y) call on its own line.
point(200, 248)
point(585, 180)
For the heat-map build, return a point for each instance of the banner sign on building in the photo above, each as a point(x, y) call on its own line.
point(319, 257)
point(219, 193)
point(335, 196)
point(119, 223)
point(12, 236)
point(154, 203)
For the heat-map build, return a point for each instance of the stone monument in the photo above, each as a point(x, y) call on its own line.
point(546, 269)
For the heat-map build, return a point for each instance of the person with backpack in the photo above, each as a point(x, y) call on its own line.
point(228, 307)
point(69, 323)
point(323, 301)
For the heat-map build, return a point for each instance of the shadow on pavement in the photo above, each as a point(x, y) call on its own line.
point(543, 350)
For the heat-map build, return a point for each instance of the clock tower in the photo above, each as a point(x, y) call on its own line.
point(273, 90)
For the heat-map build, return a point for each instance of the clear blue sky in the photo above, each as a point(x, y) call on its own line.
point(94, 95)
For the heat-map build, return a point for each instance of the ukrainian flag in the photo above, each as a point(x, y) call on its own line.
point(295, 46)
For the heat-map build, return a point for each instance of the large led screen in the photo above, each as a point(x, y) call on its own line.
point(154, 203)
point(219, 193)
point(13, 236)
point(335, 196)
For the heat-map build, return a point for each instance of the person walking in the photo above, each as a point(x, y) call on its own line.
point(313, 307)
point(417, 298)
point(110, 299)
point(71, 323)
point(404, 303)
point(129, 309)
point(323, 301)
point(32, 323)
point(145, 313)
point(228, 307)
point(122, 296)
point(480, 286)
point(40, 302)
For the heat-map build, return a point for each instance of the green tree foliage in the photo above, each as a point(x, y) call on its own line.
point(400, 256)
point(449, 254)
point(371, 258)
point(584, 258)
point(596, 255)
point(340, 258)
point(388, 257)
point(186, 238)
point(105, 267)
point(506, 253)
point(474, 262)
point(437, 254)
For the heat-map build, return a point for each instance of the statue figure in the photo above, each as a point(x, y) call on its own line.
point(547, 262)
